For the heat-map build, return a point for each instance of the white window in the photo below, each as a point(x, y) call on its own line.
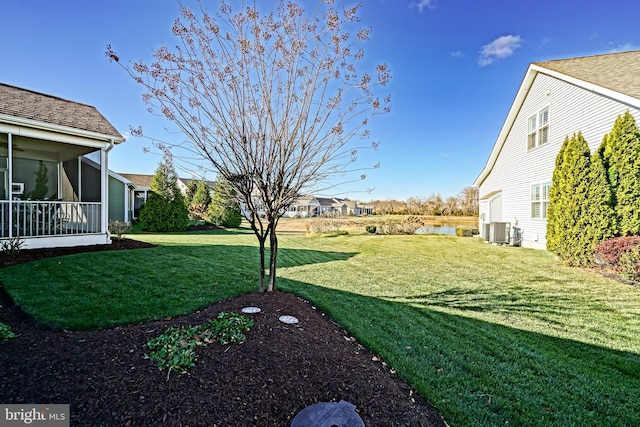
point(540, 200)
point(538, 129)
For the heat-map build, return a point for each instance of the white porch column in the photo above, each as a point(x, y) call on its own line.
point(10, 181)
point(104, 192)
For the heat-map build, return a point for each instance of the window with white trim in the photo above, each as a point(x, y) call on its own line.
point(540, 200)
point(538, 129)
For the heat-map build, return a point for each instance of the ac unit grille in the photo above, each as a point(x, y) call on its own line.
point(499, 232)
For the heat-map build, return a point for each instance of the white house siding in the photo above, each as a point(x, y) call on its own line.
point(571, 110)
point(495, 209)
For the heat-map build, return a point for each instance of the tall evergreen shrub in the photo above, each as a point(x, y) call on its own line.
point(573, 246)
point(621, 151)
point(165, 209)
point(555, 212)
point(197, 198)
point(224, 209)
point(598, 220)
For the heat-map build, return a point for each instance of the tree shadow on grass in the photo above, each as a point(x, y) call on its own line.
point(104, 289)
point(480, 373)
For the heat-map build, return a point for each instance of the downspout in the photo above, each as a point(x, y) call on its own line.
point(104, 192)
point(10, 181)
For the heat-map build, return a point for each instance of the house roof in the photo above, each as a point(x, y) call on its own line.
point(144, 181)
point(139, 180)
point(616, 71)
point(187, 181)
point(491, 195)
point(615, 75)
point(28, 105)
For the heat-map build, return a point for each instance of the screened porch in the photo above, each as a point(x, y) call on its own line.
point(50, 193)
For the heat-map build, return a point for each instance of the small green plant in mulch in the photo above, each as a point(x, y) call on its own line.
point(5, 332)
point(175, 348)
point(11, 246)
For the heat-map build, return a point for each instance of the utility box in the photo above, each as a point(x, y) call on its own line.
point(499, 232)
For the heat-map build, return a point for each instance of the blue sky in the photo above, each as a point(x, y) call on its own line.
point(456, 66)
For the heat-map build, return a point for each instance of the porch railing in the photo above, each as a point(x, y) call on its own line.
point(48, 218)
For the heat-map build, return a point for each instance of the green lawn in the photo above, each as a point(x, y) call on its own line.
point(489, 335)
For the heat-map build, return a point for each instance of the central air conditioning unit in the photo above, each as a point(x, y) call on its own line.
point(499, 232)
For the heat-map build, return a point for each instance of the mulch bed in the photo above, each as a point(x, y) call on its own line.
point(265, 381)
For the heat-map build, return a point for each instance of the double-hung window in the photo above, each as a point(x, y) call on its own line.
point(540, 200)
point(538, 129)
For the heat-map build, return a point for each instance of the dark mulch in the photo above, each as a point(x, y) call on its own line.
point(265, 381)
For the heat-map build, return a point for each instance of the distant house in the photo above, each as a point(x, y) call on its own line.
point(304, 207)
point(137, 195)
point(556, 99)
point(311, 206)
point(141, 185)
point(48, 195)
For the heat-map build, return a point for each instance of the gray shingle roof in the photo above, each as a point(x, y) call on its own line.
point(27, 104)
point(619, 72)
point(138, 179)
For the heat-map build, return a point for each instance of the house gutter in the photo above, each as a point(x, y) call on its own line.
point(37, 129)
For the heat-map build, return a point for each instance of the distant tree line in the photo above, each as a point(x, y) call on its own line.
point(464, 204)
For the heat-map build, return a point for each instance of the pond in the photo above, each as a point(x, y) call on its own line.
point(447, 230)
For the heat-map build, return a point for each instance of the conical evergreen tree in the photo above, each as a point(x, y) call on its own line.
point(574, 246)
point(192, 187)
point(599, 222)
point(555, 211)
point(165, 209)
point(622, 154)
point(224, 209)
point(200, 199)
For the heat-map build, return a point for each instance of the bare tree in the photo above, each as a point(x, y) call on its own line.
point(469, 201)
point(273, 100)
point(434, 204)
point(451, 206)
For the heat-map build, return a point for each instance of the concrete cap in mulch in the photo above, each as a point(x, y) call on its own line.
point(289, 320)
point(328, 414)
point(251, 310)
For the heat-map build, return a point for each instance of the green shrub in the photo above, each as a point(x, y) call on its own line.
point(11, 246)
point(224, 209)
point(175, 348)
point(371, 229)
point(5, 332)
point(165, 209)
point(620, 153)
point(159, 214)
point(629, 264)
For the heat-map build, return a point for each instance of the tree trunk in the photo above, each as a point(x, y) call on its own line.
point(262, 235)
point(273, 258)
point(262, 263)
